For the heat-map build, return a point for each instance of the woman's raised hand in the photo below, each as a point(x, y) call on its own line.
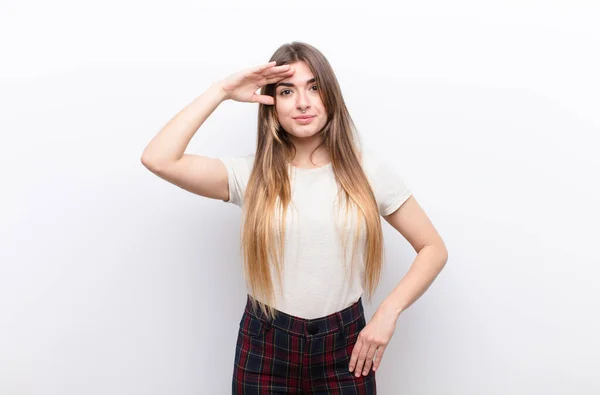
point(242, 86)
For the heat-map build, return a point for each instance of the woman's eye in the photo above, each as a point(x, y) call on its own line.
point(282, 93)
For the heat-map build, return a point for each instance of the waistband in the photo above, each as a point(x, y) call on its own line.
point(309, 327)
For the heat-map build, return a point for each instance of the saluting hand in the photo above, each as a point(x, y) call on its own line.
point(242, 86)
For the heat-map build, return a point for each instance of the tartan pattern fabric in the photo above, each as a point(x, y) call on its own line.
point(293, 355)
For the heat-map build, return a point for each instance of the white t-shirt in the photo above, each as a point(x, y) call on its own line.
point(314, 278)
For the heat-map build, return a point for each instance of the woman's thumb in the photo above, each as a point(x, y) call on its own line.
point(263, 99)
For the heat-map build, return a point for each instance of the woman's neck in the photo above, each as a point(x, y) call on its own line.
point(305, 148)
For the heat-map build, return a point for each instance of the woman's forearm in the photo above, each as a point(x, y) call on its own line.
point(170, 143)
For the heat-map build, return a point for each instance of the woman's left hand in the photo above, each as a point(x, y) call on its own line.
point(374, 337)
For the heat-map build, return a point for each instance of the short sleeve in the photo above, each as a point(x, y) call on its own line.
point(238, 174)
point(389, 187)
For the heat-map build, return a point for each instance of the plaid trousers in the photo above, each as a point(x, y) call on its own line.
point(293, 355)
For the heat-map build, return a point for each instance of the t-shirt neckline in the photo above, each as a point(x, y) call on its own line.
point(308, 170)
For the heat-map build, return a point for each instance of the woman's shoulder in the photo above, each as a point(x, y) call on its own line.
point(238, 167)
point(369, 160)
point(377, 165)
point(248, 159)
point(239, 161)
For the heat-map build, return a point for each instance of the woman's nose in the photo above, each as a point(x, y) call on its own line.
point(303, 101)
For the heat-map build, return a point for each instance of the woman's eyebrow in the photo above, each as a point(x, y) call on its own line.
point(292, 85)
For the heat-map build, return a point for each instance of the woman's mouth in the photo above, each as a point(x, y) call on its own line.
point(304, 120)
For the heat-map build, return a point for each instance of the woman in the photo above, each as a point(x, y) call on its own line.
point(305, 193)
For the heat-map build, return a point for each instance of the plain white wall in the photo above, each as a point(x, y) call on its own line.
point(113, 281)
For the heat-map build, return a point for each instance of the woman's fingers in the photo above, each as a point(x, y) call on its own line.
point(369, 359)
point(279, 77)
point(264, 99)
point(269, 68)
point(256, 77)
point(378, 357)
point(269, 100)
point(277, 70)
point(271, 75)
point(263, 67)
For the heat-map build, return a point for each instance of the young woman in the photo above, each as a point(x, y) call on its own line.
point(306, 192)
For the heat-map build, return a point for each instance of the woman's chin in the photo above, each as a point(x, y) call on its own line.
point(304, 133)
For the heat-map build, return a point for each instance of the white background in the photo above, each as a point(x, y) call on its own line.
point(113, 281)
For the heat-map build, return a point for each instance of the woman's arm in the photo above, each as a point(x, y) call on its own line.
point(413, 223)
point(165, 154)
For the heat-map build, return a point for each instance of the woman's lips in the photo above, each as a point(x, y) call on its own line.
point(304, 121)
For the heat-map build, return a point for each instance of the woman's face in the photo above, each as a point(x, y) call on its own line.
point(297, 93)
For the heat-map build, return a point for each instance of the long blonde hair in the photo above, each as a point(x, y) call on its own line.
point(268, 192)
